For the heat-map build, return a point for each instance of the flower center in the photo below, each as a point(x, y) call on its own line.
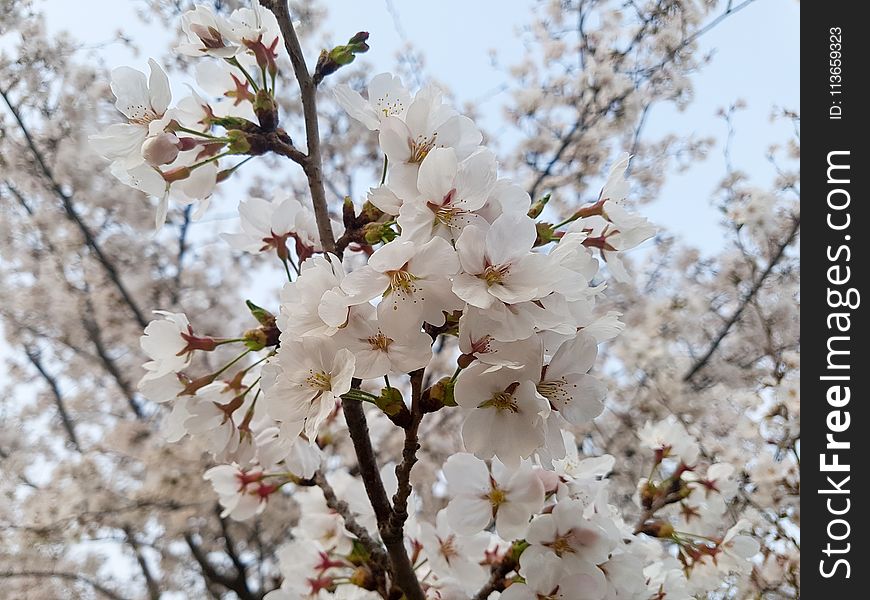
point(148, 116)
point(555, 391)
point(320, 380)
point(401, 281)
point(495, 274)
point(497, 497)
point(448, 548)
point(389, 106)
point(501, 401)
point(210, 37)
point(380, 342)
point(562, 545)
point(420, 147)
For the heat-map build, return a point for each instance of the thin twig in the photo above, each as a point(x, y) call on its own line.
point(744, 301)
point(36, 360)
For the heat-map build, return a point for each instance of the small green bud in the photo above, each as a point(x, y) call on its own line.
point(256, 339)
point(546, 234)
point(331, 61)
point(538, 207)
point(239, 143)
point(263, 316)
point(391, 401)
point(266, 110)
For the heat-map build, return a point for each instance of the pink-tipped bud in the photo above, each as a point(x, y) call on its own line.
point(549, 479)
point(177, 174)
point(160, 149)
point(187, 143)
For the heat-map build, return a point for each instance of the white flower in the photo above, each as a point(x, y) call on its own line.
point(566, 384)
point(314, 304)
point(412, 280)
point(165, 345)
point(671, 439)
point(387, 97)
point(269, 224)
point(296, 457)
point(481, 494)
point(255, 24)
point(449, 193)
point(578, 541)
point(303, 382)
point(546, 578)
point(162, 388)
point(503, 412)
point(385, 199)
point(307, 570)
point(381, 349)
point(475, 339)
point(181, 183)
point(428, 124)
point(144, 103)
point(242, 494)
point(737, 549)
point(616, 187)
point(498, 265)
point(212, 413)
point(208, 34)
point(454, 556)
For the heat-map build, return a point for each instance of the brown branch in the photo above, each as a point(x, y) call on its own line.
point(350, 522)
point(38, 574)
point(498, 578)
point(150, 583)
point(236, 584)
point(402, 570)
point(230, 545)
point(744, 302)
point(96, 337)
point(409, 456)
point(313, 163)
point(73, 215)
point(36, 361)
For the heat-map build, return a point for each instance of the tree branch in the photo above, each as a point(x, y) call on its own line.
point(313, 163)
point(497, 579)
point(402, 570)
point(235, 584)
point(63, 575)
point(744, 302)
point(73, 215)
point(409, 456)
point(36, 361)
point(150, 582)
point(350, 522)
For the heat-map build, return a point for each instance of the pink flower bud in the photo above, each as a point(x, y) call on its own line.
point(160, 149)
point(549, 479)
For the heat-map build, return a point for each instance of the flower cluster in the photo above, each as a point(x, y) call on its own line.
point(174, 152)
point(445, 251)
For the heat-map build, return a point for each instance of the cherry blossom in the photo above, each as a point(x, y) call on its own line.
point(303, 383)
point(387, 97)
point(481, 494)
point(412, 279)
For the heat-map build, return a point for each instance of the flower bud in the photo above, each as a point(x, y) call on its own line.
point(255, 339)
point(177, 174)
point(160, 149)
point(538, 207)
point(266, 110)
point(239, 143)
point(330, 61)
